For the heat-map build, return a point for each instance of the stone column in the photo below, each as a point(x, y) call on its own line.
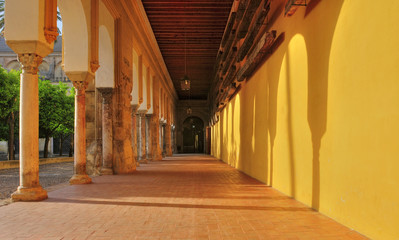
point(80, 176)
point(168, 140)
point(134, 132)
point(163, 139)
point(138, 135)
point(29, 187)
point(143, 153)
point(148, 135)
point(155, 136)
point(107, 154)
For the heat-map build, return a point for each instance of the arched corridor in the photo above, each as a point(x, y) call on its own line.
point(295, 102)
point(182, 197)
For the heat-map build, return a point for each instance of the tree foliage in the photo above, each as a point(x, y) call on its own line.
point(9, 106)
point(56, 111)
point(9, 92)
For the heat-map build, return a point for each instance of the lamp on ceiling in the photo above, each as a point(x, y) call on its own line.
point(185, 82)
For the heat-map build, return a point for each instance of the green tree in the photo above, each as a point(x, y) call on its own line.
point(9, 105)
point(56, 111)
point(67, 127)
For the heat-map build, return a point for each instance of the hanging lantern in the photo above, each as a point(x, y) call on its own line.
point(189, 111)
point(185, 83)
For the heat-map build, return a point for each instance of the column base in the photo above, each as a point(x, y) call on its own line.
point(29, 194)
point(106, 171)
point(80, 179)
point(143, 161)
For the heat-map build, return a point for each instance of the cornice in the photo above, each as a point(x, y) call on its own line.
point(139, 20)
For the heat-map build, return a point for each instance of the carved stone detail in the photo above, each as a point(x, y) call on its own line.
point(30, 62)
point(50, 34)
point(94, 65)
point(80, 86)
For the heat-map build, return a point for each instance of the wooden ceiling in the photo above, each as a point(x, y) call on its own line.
point(191, 29)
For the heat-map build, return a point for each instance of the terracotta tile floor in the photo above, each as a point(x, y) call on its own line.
point(184, 197)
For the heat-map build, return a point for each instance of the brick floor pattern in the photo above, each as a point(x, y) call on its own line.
point(182, 197)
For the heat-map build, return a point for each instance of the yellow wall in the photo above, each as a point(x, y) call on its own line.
point(319, 120)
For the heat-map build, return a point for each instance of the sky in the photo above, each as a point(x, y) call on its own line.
point(59, 25)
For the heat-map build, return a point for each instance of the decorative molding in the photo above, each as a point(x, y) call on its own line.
point(94, 35)
point(112, 9)
point(50, 34)
point(94, 65)
point(50, 21)
point(30, 62)
point(292, 5)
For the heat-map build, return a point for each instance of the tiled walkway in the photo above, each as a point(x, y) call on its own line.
point(185, 197)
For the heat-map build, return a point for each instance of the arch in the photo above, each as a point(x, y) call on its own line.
point(58, 73)
point(75, 36)
point(135, 90)
point(44, 68)
point(144, 81)
point(14, 65)
point(193, 135)
point(150, 101)
point(105, 74)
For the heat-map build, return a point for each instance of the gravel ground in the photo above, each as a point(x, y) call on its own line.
point(49, 174)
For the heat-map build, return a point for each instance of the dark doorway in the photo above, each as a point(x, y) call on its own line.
point(193, 135)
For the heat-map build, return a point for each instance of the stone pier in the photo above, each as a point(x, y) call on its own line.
point(107, 154)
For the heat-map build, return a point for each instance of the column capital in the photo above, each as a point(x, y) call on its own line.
point(30, 62)
point(142, 113)
point(134, 108)
point(106, 93)
point(80, 86)
point(80, 80)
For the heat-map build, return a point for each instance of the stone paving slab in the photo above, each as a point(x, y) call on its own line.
point(187, 197)
point(49, 175)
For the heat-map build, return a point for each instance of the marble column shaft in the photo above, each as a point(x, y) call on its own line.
point(148, 134)
point(138, 135)
point(107, 137)
point(80, 176)
point(168, 140)
point(155, 136)
point(163, 139)
point(134, 132)
point(143, 153)
point(29, 188)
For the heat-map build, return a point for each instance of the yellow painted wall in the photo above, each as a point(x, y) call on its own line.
point(319, 120)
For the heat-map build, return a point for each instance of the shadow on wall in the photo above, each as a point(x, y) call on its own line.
point(318, 48)
point(296, 84)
